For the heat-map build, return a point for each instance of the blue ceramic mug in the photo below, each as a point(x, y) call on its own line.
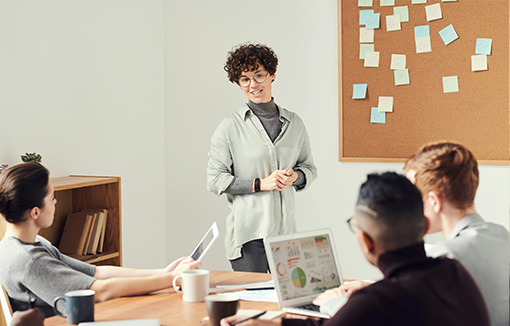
point(79, 306)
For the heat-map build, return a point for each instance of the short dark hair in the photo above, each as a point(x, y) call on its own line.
point(22, 187)
point(398, 206)
point(248, 57)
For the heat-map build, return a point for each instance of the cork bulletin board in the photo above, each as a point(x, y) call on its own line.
point(477, 115)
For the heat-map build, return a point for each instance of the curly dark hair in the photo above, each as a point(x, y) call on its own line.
point(248, 57)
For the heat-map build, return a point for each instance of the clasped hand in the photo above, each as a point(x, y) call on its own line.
point(278, 180)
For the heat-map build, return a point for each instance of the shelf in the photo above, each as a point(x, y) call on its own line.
point(92, 259)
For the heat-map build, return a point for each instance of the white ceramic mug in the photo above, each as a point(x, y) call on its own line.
point(194, 285)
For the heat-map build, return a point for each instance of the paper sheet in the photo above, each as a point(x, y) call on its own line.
point(450, 84)
point(255, 295)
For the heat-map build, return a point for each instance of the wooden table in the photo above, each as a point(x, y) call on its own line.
point(168, 307)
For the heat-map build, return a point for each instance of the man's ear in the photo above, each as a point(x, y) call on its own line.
point(368, 243)
point(436, 201)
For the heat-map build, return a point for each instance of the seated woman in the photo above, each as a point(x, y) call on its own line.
point(32, 268)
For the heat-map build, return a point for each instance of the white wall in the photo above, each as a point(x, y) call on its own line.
point(303, 33)
point(81, 82)
point(136, 88)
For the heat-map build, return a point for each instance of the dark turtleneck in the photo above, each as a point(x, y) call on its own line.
point(269, 117)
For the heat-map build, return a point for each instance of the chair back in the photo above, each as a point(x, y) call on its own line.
point(6, 309)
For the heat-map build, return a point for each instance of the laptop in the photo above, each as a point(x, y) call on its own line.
point(303, 265)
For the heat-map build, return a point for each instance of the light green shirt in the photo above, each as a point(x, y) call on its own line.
point(240, 147)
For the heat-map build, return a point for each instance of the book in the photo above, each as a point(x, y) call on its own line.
point(103, 232)
point(89, 235)
point(97, 231)
point(75, 233)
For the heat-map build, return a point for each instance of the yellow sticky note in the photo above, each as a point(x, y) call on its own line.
point(371, 59)
point(433, 12)
point(385, 104)
point(398, 61)
point(479, 62)
point(366, 35)
point(423, 44)
point(450, 84)
point(393, 23)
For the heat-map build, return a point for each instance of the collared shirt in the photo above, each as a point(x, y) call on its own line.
point(416, 290)
point(483, 249)
point(240, 147)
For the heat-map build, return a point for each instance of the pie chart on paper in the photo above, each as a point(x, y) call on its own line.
point(298, 277)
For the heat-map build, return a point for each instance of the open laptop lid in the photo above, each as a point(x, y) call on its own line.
point(303, 265)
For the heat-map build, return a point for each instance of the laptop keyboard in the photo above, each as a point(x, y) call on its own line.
point(309, 306)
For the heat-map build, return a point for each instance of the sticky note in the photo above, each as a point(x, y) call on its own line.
point(401, 77)
point(377, 116)
point(448, 34)
point(450, 84)
point(483, 46)
point(373, 21)
point(393, 23)
point(359, 91)
point(479, 62)
point(433, 12)
point(385, 104)
point(387, 3)
point(423, 44)
point(421, 31)
point(417, 2)
point(363, 48)
point(365, 3)
point(366, 35)
point(403, 12)
point(449, 0)
point(371, 59)
point(398, 61)
point(364, 15)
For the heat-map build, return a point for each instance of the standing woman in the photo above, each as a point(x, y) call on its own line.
point(256, 155)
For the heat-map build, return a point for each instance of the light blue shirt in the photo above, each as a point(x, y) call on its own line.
point(483, 249)
point(241, 148)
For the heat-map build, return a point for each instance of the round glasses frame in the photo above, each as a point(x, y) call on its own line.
point(259, 77)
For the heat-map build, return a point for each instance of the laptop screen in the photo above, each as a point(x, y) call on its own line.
point(304, 266)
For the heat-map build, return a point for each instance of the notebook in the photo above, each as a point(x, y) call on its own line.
point(303, 265)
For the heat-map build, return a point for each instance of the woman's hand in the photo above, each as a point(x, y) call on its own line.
point(183, 264)
point(330, 295)
point(174, 264)
point(278, 180)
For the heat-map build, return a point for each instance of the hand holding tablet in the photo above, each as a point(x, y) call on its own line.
point(206, 242)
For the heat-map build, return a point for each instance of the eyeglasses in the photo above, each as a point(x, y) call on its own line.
point(351, 224)
point(259, 77)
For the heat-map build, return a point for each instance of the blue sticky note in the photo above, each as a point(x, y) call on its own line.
point(377, 116)
point(359, 91)
point(364, 16)
point(373, 21)
point(448, 34)
point(421, 31)
point(483, 46)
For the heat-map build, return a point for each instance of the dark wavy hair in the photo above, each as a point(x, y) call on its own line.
point(248, 57)
point(22, 187)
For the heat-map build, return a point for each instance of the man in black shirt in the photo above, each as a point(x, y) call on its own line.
point(416, 290)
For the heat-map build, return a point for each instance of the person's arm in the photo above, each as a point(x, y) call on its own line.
point(183, 263)
point(305, 165)
point(126, 286)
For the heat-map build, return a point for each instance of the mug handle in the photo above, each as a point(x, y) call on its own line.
point(174, 283)
point(57, 299)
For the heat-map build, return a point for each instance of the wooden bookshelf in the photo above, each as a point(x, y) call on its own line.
point(74, 193)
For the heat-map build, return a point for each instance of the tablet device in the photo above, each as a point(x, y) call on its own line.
point(206, 242)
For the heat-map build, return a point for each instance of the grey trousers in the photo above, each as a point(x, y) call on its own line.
point(253, 258)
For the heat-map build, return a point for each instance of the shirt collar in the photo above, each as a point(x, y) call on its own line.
point(392, 262)
point(465, 222)
point(244, 111)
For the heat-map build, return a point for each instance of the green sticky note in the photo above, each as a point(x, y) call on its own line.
point(387, 3)
point(365, 48)
point(401, 77)
point(417, 2)
point(450, 84)
point(403, 12)
point(365, 3)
